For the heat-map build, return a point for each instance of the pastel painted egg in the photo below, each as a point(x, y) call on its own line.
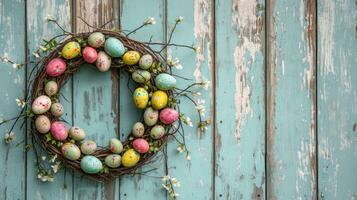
point(91, 165)
point(168, 115)
point(138, 129)
point(42, 124)
point(90, 55)
point(103, 61)
point(41, 104)
point(113, 160)
point(140, 97)
point(165, 81)
point(96, 39)
point(141, 76)
point(151, 116)
point(145, 61)
point(131, 57)
point(59, 131)
point(56, 67)
point(114, 47)
point(77, 133)
point(140, 145)
point(57, 109)
point(115, 145)
point(130, 158)
point(157, 132)
point(88, 147)
point(51, 88)
point(159, 99)
point(70, 151)
point(71, 50)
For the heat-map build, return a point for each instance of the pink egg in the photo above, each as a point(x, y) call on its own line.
point(56, 67)
point(168, 116)
point(141, 145)
point(59, 131)
point(90, 55)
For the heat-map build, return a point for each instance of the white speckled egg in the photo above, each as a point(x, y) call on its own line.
point(151, 116)
point(57, 109)
point(77, 133)
point(115, 145)
point(157, 132)
point(103, 61)
point(51, 88)
point(113, 160)
point(41, 104)
point(88, 147)
point(141, 76)
point(145, 61)
point(138, 129)
point(71, 151)
point(96, 39)
point(42, 124)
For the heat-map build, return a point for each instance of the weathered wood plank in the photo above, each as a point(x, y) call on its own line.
point(240, 106)
point(291, 141)
point(337, 99)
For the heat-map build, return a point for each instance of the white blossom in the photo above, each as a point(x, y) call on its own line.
point(166, 187)
point(9, 137)
point(179, 19)
point(150, 21)
point(36, 54)
point(197, 49)
point(45, 178)
point(180, 149)
point(188, 157)
point(49, 18)
point(165, 178)
point(174, 62)
point(43, 48)
point(43, 157)
point(187, 120)
point(53, 158)
point(16, 66)
point(196, 94)
point(20, 102)
point(205, 84)
point(56, 167)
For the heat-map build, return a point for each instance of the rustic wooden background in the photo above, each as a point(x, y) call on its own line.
point(283, 99)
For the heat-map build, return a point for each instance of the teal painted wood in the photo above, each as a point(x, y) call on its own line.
point(12, 158)
point(240, 106)
point(337, 102)
point(196, 175)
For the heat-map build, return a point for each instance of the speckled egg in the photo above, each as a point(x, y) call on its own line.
point(88, 147)
point(57, 109)
point(42, 124)
point(96, 39)
point(91, 165)
point(140, 145)
point(59, 131)
point(130, 158)
point(115, 145)
point(51, 88)
point(113, 160)
point(157, 132)
point(71, 50)
point(41, 104)
point(159, 100)
point(168, 115)
point(56, 67)
point(145, 61)
point(138, 129)
point(141, 76)
point(131, 57)
point(140, 97)
point(165, 81)
point(114, 47)
point(90, 55)
point(103, 61)
point(151, 116)
point(77, 133)
point(70, 151)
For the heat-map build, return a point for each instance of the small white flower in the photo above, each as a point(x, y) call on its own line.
point(201, 109)
point(166, 187)
point(165, 178)
point(197, 49)
point(36, 54)
point(43, 48)
point(175, 182)
point(4, 59)
point(20, 102)
point(49, 18)
point(201, 101)
point(53, 158)
point(205, 84)
point(186, 120)
point(188, 157)
point(150, 21)
point(179, 19)
point(180, 149)
point(43, 157)
point(176, 194)
point(56, 167)
point(196, 94)
point(16, 66)
point(9, 137)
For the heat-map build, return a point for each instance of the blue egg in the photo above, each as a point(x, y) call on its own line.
point(91, 164)
point(114, 47)
point(165, 81)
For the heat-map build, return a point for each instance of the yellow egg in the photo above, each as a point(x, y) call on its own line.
point(159, 100)
point(140, 97)
point(130, 158)
point(71, 50)
point(131, 57)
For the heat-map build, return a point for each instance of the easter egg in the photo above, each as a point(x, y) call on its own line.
point(140, 97)
point(130, 158)
point(114, 47)
point(42, 124)
point(151, 116)
point(41, 104)
point(91, 165)
point(140, 145)
point(51, 88)
point(103, 61)
point(157, 132)
point(71, 50)
point(138, 129)
point(113, 160)
point(88, 147)
point(168, 115)
point(57, 109)
point(56, 67)
point(77, 133)
point(59, 131)
point(165, 81)
point(115, 145)
point(96, 39)
point(90, 55)
point(145, 61)
point(70, 151)
point(159, 99)
point(131, 57)
point(141, 76)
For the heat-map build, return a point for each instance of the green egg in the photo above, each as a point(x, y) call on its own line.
point(113, 160)
point(165, 81)
point(91, 165)
point(141, 76)
point(157, 132)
